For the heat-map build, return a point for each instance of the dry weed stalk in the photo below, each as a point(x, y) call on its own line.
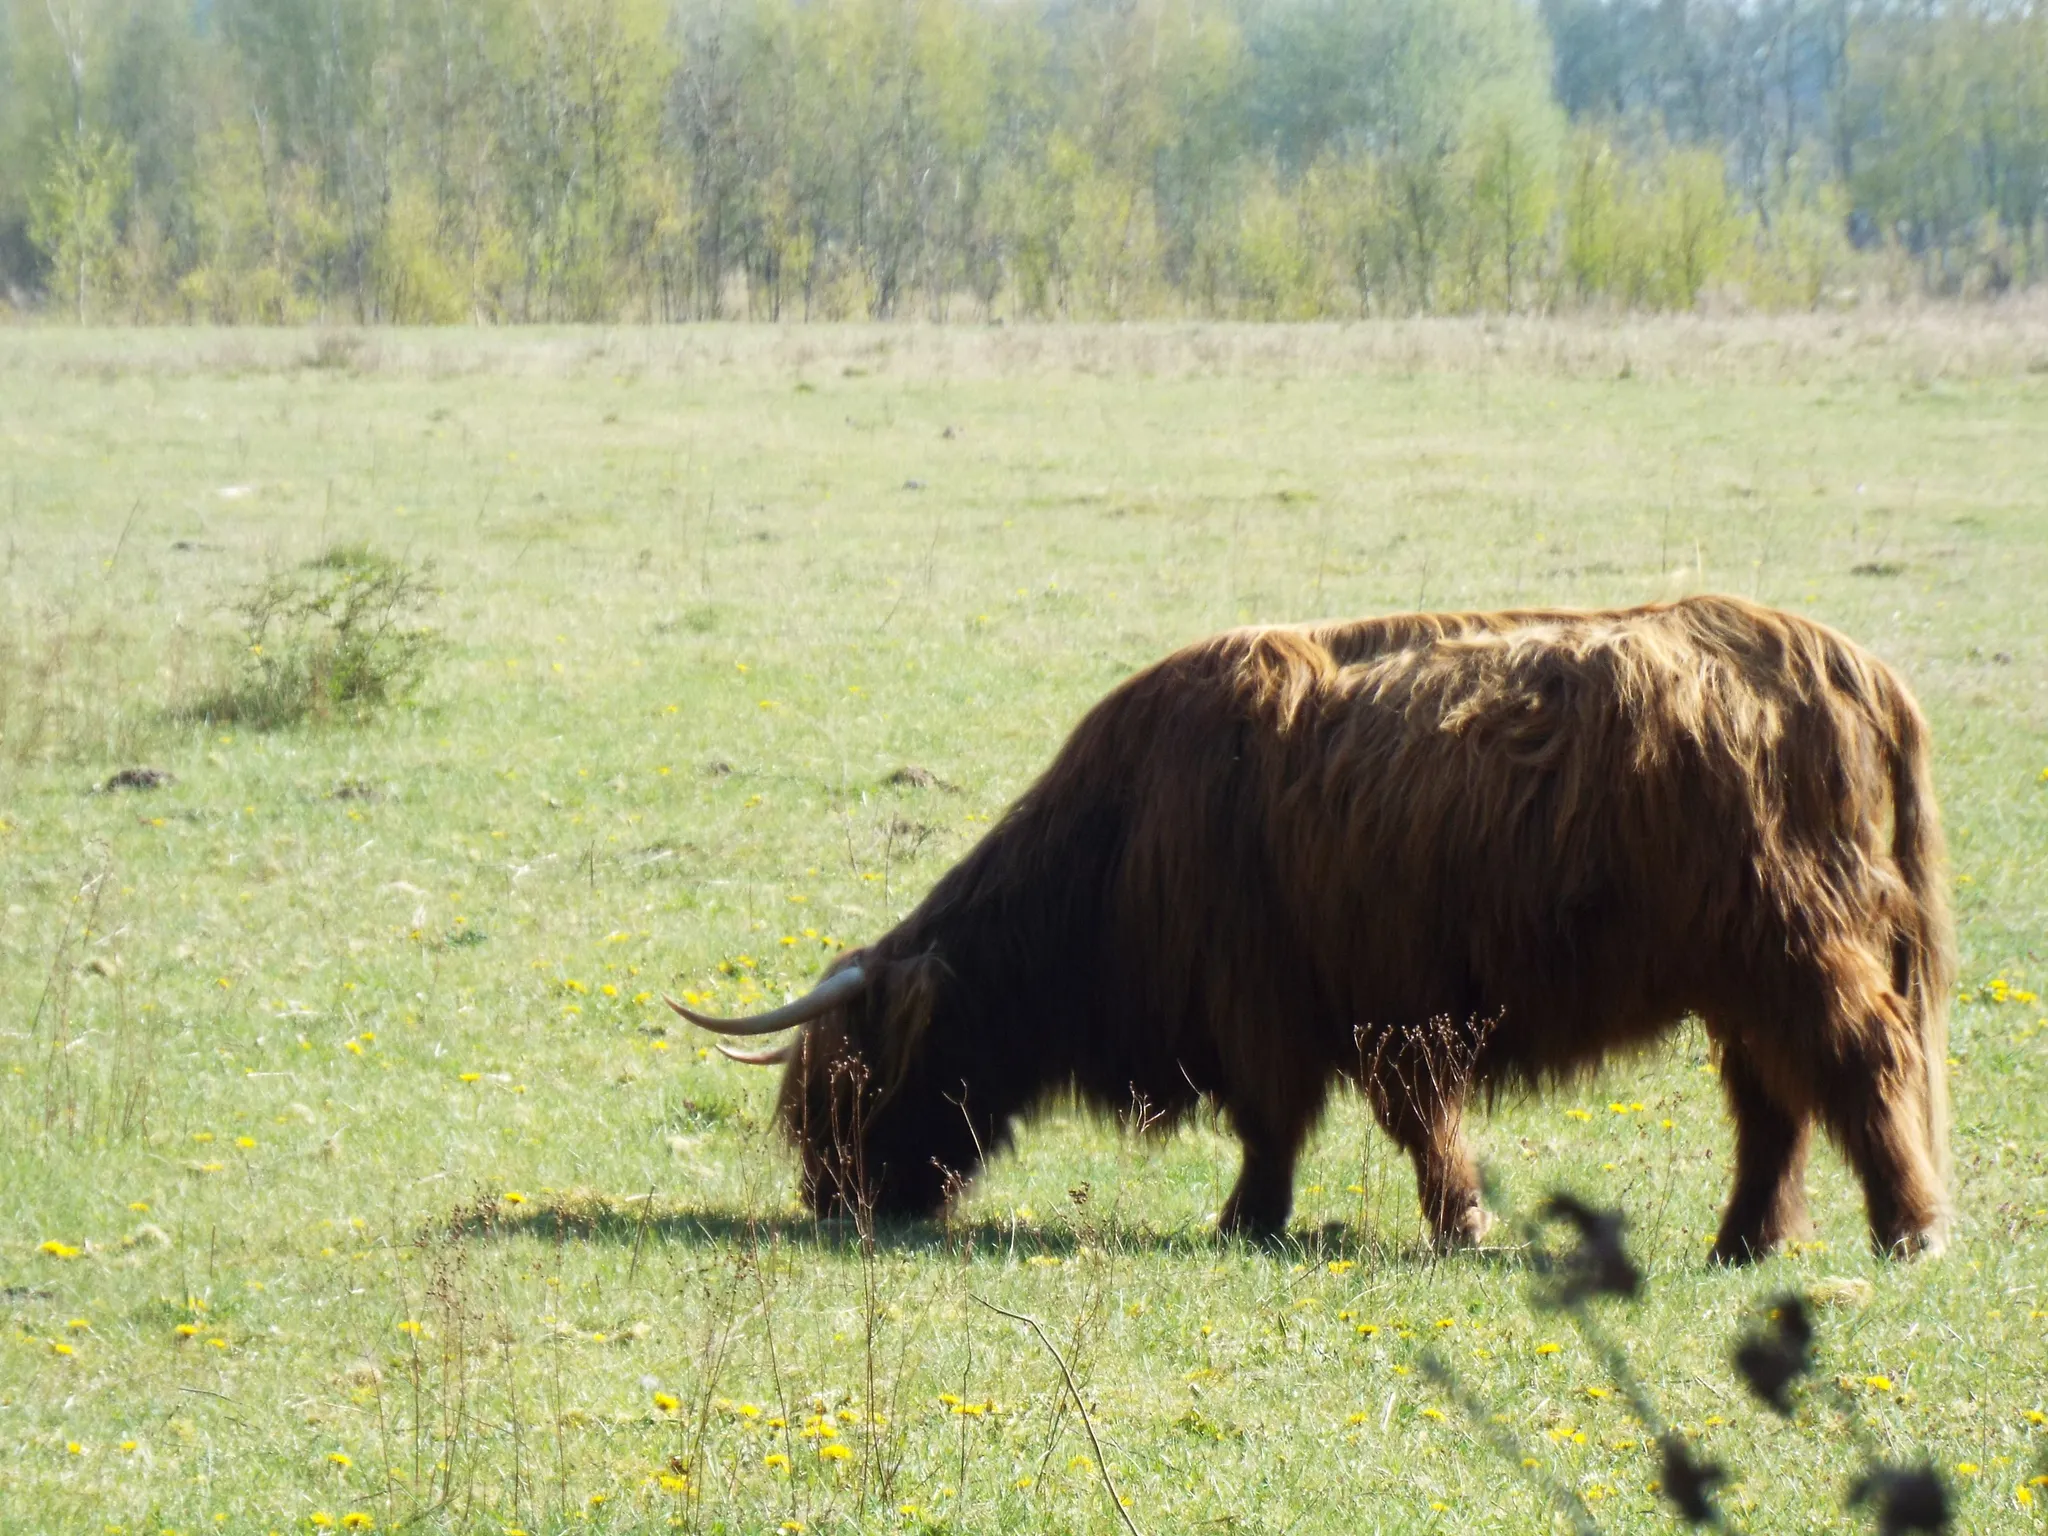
point(1116, 1500)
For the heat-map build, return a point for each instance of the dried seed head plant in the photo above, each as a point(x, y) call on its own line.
point(1772, 1359)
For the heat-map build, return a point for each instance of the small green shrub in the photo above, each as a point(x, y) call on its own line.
point(336, 638)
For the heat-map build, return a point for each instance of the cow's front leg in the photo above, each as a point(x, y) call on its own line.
point(1428, 1125)
point(1263, 1199)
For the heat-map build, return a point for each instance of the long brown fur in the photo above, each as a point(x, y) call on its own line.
point(1433, 853)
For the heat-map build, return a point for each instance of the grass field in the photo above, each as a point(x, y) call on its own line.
point(350, 1172)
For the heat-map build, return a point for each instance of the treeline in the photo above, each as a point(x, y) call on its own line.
point(420, 161)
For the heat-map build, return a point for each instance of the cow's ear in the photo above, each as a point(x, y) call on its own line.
point(911, 991)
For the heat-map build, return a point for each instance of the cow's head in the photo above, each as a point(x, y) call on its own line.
point(874, 1097)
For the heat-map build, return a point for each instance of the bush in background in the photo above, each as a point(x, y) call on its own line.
point(334, 639)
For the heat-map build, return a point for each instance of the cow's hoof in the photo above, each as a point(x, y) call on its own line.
point(1249, 1227)
point(1467, 1231)
point(1921, 1243)
point(1738, 1252)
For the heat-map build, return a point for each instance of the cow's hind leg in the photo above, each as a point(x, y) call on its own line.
point(1768, 1205)
point(1859, 1061)
point(1875, 1108)
point(1428, 1124)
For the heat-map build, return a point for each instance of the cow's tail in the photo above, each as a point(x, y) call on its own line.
point(1923, 960)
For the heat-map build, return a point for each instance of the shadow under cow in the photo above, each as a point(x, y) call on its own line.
point(642, 1219)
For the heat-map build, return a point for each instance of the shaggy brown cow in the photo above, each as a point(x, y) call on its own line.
point(1429, 853)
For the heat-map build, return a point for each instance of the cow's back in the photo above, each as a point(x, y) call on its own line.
point(1578, 824)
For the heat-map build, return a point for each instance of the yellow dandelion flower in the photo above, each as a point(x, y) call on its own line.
point(186, 1330)
point(1578, 1114)
point(72, 1447)
point(834, 1453)
point(1342, 1266)
point(675, 1484)
point(469, 1077)
point(2023, 1496)
point(514, 1197)
point(57, 1250)
point(792, 1527)
point(340, 1459)
point(1967, 1469)
point(1596, 1392)
point(1878, 1383)
point(1366, 1330)
point(666, 1402)
point(321, 1518)
point(79, 1324)
point(138, 1205)
point(1547, 1348)
point(1432, 1413)
point(1358, 1418)
point(2035, 1416)
point(127, 1445)
point(411, 1328)
point(356, 1520)
point(1023, 1483)
point(775, 1461)
point(245, 1142)
point(59, 1347)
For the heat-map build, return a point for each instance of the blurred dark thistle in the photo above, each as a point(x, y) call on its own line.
point(1598, 1266)
point(1772, 1360)
point(1906, 1499)
point(1690, 1484)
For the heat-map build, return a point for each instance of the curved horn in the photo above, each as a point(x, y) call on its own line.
point(770, 1058)
point(823, 998)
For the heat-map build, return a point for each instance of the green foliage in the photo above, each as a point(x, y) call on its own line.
point(1800, 254)
point(72, 219)
point(280, 161)
point(334, 639)
point(1951, 132)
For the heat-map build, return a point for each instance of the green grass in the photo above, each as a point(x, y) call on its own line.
point(278, 1041)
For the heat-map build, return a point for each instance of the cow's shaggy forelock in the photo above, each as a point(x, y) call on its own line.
point(1433, 853)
